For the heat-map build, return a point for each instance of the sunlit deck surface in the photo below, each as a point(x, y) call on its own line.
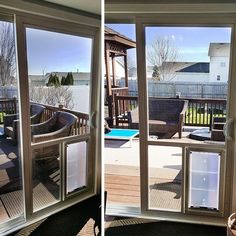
point(45, 189)
point(122, 175)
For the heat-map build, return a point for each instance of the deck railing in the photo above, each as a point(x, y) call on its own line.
point(111, 100)
point(199, 113)
point(82, 124)
point(124, 104)
point(8, 106)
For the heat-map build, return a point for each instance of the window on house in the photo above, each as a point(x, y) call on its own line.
point(218, 77)
point(222, 64)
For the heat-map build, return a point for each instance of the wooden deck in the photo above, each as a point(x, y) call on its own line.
point(122, 189)
point(122, 184)
point(122, 175)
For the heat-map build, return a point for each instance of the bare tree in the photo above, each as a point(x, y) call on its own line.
point(163, 54)
point(132, 67)
point(7, 54)
point(52, 95)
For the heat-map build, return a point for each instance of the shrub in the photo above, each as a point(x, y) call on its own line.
point(53, 80)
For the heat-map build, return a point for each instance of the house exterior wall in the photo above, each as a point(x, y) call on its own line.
point(191, 77)
point(219, 68)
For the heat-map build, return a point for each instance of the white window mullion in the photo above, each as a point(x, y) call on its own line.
point(23, 98)
point(143, 111)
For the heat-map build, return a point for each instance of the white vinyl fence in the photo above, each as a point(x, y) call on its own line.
point(184, 89)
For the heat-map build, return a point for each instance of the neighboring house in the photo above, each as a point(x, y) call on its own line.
point(132, 72)
point(80, 78)
point(37, 80)
point(175, 71)
point(193, 72)
point(183, 71)
point(219, 61)
point(217, 70)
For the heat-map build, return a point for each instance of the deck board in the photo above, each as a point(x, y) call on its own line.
point(3, 213)
point(122, 189)
point(164, 193)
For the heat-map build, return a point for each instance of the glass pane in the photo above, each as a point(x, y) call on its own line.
point(165, 177)
point(187, 73)
point(59, 69)
point(59, 73)
point(11, 194)
point(76, 166)
point(121, 151)
point(46, 176)
point(204, 177)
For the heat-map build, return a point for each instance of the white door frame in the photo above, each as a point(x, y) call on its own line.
point(67, 26)
point(218, 20)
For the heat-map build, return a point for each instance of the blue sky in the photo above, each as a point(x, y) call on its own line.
point(192, 42)
point(49, 51)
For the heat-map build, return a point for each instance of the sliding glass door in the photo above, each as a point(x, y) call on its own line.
point(56, 128)
point(184, 104)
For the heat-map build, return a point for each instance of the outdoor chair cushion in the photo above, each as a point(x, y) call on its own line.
point(61, 124)
point(11, 121)
point(165, 116)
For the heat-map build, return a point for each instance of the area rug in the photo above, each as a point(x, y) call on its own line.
point(77, 220)
point(117, 226)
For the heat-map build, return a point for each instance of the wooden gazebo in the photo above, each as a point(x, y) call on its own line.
point(116, 45)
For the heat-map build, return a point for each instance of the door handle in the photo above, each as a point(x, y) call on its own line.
point(93, 120)
point(229, 129)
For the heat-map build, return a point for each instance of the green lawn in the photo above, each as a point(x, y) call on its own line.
point(1, 117)
point(192, 116)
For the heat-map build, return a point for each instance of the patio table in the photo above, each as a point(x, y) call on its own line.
point(122, 134)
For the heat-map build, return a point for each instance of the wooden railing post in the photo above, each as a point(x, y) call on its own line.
point(116, 103)
point(14, 104)
point(110, 110)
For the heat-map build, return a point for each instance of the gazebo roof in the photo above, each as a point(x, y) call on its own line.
point(116, 37)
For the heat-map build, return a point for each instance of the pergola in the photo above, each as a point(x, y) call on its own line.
point(116, 45)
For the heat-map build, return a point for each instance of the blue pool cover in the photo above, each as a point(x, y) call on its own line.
point(122, 133)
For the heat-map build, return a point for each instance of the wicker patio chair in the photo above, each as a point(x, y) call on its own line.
point(61, 124)
point(166, 116)
point(11, 121)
